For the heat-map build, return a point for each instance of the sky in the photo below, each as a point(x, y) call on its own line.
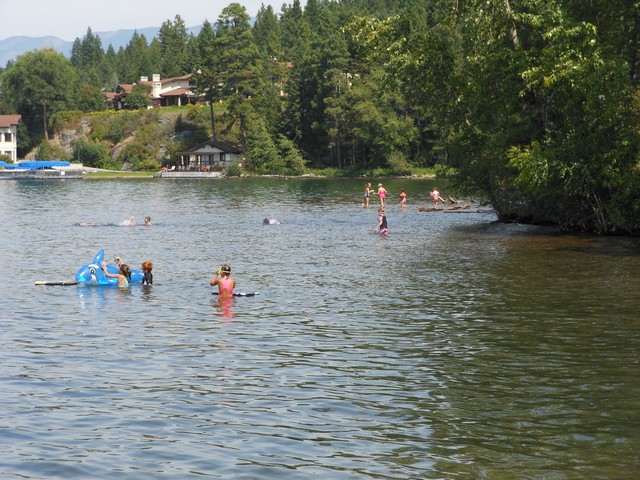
point(69, 19)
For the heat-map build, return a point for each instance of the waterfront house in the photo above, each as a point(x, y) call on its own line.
point(9, 136)
point(211, 155)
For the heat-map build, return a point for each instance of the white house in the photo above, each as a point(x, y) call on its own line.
point(9, 136)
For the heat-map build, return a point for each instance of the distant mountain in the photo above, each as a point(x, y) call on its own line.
point(12, 47)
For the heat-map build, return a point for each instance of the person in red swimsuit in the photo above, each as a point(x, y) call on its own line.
point(382, 193)
point(223, 280)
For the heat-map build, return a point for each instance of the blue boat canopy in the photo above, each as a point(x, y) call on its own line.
point(34, 165)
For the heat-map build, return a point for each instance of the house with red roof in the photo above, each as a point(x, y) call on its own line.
point(167, 92)
point(9, 136)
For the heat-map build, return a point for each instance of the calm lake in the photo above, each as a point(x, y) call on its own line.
point(454, 348)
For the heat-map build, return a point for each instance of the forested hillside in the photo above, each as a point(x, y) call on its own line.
point(532, 103)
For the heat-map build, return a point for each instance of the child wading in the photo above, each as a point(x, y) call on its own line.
point(382, 227)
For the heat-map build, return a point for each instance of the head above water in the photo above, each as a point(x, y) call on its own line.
point(126, 271)
point(147, 266)
point(226, 270)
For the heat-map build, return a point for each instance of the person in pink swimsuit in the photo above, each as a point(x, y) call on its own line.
point(382, 193)
point(223, 280)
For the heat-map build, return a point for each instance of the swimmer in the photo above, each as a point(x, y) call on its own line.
point(147, 221)
point(123, 275)
point(223, 280)
point(128, 222)
point(270, 221)
point(148, 276)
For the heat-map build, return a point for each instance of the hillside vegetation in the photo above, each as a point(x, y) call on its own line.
point(126, 139)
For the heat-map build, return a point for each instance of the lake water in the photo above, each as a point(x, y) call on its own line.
point(455, 347)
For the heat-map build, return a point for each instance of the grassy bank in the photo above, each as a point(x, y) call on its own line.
point(111, 174)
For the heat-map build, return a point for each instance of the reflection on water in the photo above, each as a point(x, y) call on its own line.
point(456, 347)
point(224, 306)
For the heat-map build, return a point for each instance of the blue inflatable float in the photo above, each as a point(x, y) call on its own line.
point(93, 274)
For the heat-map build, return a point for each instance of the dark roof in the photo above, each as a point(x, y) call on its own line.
point(178, 92)
point(224, 146)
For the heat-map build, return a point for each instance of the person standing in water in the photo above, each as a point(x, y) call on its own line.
point(403, 199)
point(223, 280)
point(382, 193)
point(382, 227)
point(435, 194)
point(367, 194)
point(147, 279)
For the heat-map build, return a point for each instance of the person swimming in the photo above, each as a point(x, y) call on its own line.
point(123, 275)
point(270, 221)
point(222, 278)
point(148, 276)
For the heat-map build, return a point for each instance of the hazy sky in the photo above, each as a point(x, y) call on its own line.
point(69, 19)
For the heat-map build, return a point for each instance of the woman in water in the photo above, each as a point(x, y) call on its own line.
point(223, 280)
point(123, 275)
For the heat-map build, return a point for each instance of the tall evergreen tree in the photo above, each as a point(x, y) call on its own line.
point(173, 40)
point(239, 63)
point(86, 57)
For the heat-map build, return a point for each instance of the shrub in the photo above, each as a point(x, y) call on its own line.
point(92, 154)
point(398, 164)
point(66, 119)
point(51, 151)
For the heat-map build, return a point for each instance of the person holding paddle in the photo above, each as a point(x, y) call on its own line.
point(223, 280)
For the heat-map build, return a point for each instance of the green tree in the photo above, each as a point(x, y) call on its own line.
point(140, 96)
point(239, 64)
point(87, 56)
point(92, 153)
point(39, 84)
point(173, 44)
point(90, 99)
point(135, 60)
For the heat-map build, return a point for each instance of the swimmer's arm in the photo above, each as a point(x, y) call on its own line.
point(106, 272)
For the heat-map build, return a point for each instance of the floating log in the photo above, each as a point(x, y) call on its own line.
point(452, 208)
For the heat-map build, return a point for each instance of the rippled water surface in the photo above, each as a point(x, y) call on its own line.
point(456, 347)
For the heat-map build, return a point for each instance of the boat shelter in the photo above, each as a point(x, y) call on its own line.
point(211, 155)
